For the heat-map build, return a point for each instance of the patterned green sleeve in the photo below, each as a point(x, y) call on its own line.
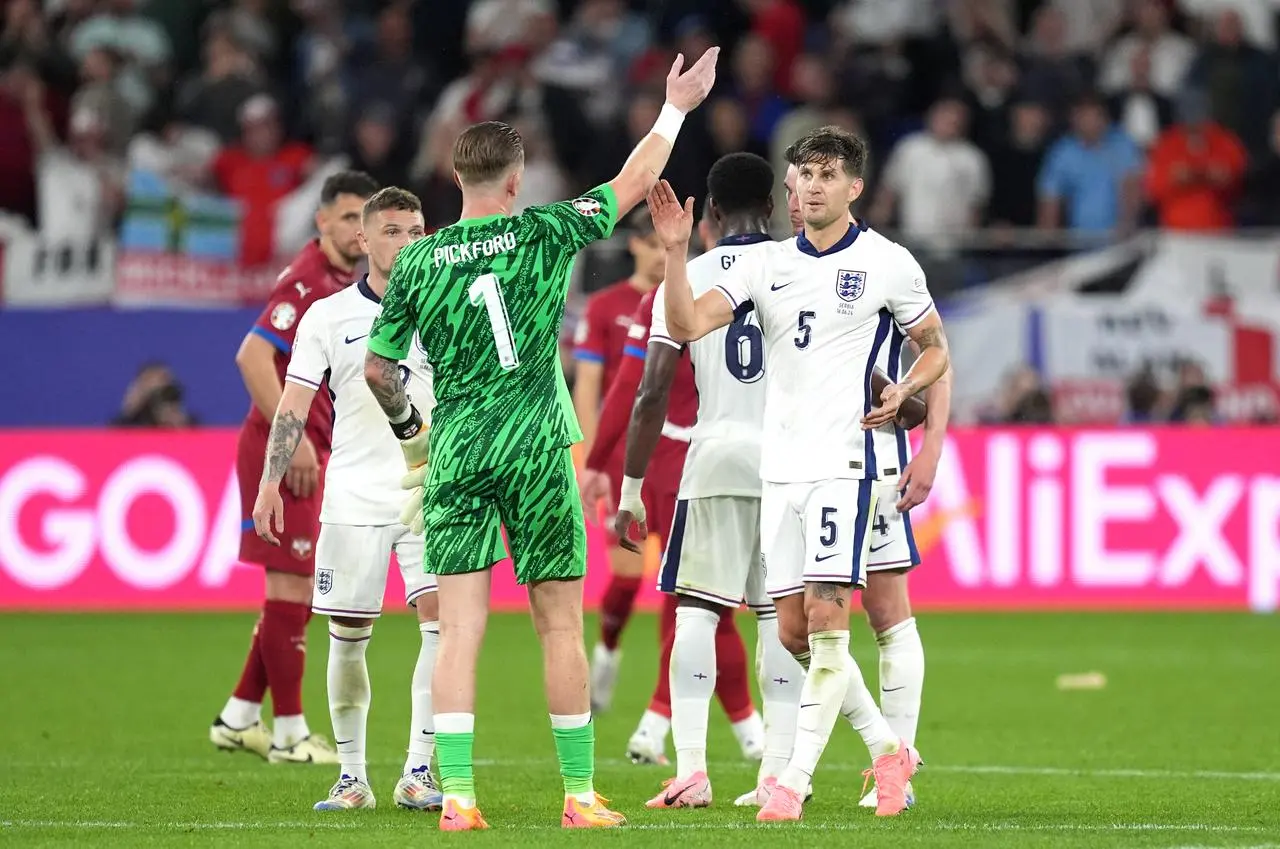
point(576, 223)
point(393, 329)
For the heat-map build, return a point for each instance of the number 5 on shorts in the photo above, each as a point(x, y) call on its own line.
point(487, 289)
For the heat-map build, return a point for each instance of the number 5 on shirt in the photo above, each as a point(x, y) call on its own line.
point(487, 289)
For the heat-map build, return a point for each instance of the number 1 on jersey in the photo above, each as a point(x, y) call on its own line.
point(487, 289)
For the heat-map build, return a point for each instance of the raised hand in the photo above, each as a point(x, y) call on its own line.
point(685, 91)
point(672, 222)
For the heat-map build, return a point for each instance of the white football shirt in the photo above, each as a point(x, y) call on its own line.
point(826, 317)
point(728, 370)
point(362, 481)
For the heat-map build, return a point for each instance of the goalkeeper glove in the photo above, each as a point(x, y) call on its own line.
point(415, 444)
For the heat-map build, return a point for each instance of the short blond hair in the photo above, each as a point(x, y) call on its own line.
point(486, 151)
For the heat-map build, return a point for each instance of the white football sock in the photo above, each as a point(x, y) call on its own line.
point(901, 678)
point(820, 697)
point(859, 707)
point(780, 677)
point(693, 683)
point(287, 731)
point(422, 730)
point(349, 695)
point(240, 714)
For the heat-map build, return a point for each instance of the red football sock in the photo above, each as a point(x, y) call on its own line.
point(615, 608)
point(284, 640)
point(253, 678)
point(661, 701)
point(732, 685)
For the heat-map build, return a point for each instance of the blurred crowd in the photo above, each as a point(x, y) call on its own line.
point(1088, 116)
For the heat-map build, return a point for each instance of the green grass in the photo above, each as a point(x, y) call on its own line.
point(103, 741)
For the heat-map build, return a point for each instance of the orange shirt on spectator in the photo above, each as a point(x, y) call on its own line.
point(1194, 177)
point(260, 183)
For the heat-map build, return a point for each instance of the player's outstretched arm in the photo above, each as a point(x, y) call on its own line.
point(645, 429)
point(685, 91)
point(687, 320)
point(929, 367)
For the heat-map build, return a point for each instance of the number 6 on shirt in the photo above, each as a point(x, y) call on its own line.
point(487, 289)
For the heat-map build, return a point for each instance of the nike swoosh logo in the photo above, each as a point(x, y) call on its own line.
point(341, 742)
point(892, 689)
point(878, 547)
point(776, 286)
point(818, 558)
point(351, 339)
point(814, 704)
point(672, 798)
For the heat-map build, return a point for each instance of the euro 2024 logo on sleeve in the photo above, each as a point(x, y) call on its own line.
point(850, 284)
point(587, 206)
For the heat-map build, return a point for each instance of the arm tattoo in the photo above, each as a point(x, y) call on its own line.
point(383, 377)
point(931, 337)
point(286, 433)
point(838, 593)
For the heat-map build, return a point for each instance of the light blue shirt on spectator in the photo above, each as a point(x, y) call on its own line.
point(1087, 179)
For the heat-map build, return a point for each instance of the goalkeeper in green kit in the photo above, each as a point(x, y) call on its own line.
point(483, 299)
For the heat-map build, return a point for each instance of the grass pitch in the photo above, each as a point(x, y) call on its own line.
point(103, 741)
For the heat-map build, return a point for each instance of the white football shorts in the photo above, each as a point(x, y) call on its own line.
point(352, 562)
point(893, 545)
point(816, 532)
point(713, 552)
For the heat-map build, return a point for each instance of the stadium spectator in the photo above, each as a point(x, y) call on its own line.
point(376, 146)
point(154, 399)
point(1091, 24)
point(17, 137)
point(28, 35)
point(936, 163)
point(180, 153)
point(1015, 165)
point(1171, 52)
point(212, 99)
point(389, 73)
point(143, 44)
point(781, 23)
point(493, 25)
point(1144, 398)
point(1262, 187)
point(100, 93)
point(248, 23)
point(1195, 170)
point(1241, 80)
point(259, 172)
point(990, 23)
point(991, 79)
point(886, 21)
point(318, 95)
point(1051, 73)
point(1090, 179)
point(1141, 112)
point(1025, 399)
point(80, 184)
point(753, 76)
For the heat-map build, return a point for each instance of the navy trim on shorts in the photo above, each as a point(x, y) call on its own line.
point(911, 539)
point(675, 542)
point(869, 466)
point(860, 528)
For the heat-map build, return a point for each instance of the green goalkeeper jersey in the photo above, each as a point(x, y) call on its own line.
point(486, 298)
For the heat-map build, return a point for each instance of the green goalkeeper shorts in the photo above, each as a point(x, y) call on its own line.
point(535, 498)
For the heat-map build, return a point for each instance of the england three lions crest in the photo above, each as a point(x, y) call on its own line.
point(850, 284)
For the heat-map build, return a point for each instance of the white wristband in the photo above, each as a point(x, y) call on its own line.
point(629, 492)
point(668, 124)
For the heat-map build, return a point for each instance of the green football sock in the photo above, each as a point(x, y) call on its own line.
point(453, 757)
point(576, 749)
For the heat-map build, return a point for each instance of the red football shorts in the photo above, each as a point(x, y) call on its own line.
point(296, 553)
